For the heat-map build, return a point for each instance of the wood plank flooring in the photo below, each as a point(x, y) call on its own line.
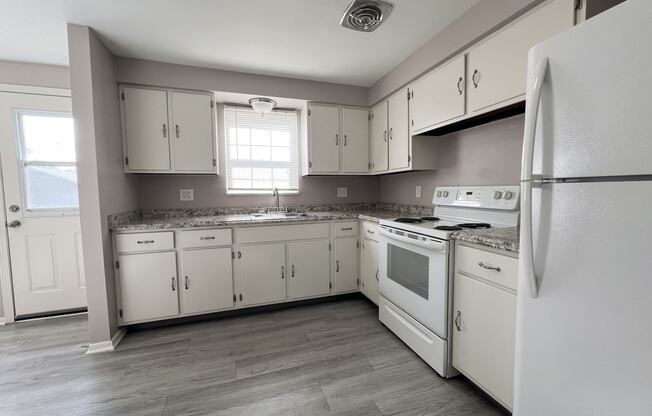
point(330, 359)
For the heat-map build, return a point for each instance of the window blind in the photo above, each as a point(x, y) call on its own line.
point(261, 150)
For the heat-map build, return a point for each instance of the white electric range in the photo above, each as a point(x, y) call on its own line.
point(416, 258)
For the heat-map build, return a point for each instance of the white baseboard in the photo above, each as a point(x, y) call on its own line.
point(106, 346)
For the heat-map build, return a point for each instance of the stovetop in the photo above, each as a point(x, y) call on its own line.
point(442, 228)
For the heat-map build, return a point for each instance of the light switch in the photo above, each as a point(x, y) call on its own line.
point(342, 192)
point(418, 192)
point(186, 194)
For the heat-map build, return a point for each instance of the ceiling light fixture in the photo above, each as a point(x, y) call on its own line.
point(262, 105)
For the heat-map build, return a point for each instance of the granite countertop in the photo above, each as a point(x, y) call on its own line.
point(500, 238)
point(196, 221)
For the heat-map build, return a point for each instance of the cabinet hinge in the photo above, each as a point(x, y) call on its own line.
point(122, 95)
point(578, 4)
point(212, 103)
point(117, 264)
point(409, 158)
point(120, 313)
point(329, 246)
point(233, 256)
point(214, 162)
point(369, 165)
point(358, 244)
point(330, 285)
point(358, 281)
point(309, 164)
point(369, 117)
point(240, 297)
point(234, 297)
point(309, 111)
point(412, 122)
point(408, 95)
point(127, 161)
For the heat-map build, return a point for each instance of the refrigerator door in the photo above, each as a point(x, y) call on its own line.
point(594, 115)
point(584, 345)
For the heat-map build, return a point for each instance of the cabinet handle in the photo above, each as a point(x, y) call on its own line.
point(385, 136)
point(458, 321)
point(165, 131)
point(473, 78)
point(337, 139)
point(370, 232)
point(282, 272)
point(174, 286)
point(345, 140)
point(485, 266)
point(346, 229)
point(293, 270)
point(337, 266)
point(376, 274)
point(391, 133)
point(176, 129)
point(210, 237)
point(239, 254)
point(186, 283)
point(144, 242)
point(460, 85)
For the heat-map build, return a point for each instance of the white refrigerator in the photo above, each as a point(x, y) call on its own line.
point(584, 317)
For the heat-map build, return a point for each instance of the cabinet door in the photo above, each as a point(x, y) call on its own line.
point(309, 269)
point(378, 137)
point(483, 336)
point(497, 67)
point(192, 132)
point(148, 286)
point(438, 96)
point(369, 270)
point(145, 113)
point(355, 140)
point(399, 135)
point(206, 280)
point(324, 139)
point(346, 264)
point(263, 273)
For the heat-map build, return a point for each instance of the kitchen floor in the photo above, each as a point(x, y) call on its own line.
point(332, 358)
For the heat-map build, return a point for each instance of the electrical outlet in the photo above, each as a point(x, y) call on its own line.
point(186, 194)
point(342, 192)
point(418, 192)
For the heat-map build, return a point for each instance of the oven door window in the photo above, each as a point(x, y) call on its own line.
point(408, 269)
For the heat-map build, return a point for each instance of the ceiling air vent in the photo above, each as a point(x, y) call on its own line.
point(365, 15)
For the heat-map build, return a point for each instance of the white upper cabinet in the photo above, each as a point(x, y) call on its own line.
point(355, 140)
point(497, 67)
point(323, 139)
point(146, 129)
point(438, 96)
point(168, 131)
point(398, 130)
point(192, 132)
point(378, 137)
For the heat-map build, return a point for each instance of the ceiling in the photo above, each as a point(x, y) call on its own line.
point(290, 38)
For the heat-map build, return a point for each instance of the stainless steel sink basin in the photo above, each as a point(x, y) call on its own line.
point(278, 214)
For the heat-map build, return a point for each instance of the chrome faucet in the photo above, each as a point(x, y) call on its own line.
point(275, 193)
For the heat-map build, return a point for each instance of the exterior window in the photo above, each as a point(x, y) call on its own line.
point(261, 151)
point(47, 162)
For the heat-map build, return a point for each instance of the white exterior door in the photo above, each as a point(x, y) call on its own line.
point(206, 280)
point(148, 286)
point(263, 273)
point(378, 137)
point(324, 139)
point(399, 134)
point(145, 118)
point(369, 270)
point(39, 174)
point(309, 272)
point(346, 264)
point(192, 132)
point(355, 140)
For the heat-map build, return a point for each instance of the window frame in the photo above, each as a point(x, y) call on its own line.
point(227, 164)
point(22, 164)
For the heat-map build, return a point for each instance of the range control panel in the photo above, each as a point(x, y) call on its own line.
point(491, 197)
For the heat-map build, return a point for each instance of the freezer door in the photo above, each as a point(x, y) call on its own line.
point(584, 345)
point(594, 116)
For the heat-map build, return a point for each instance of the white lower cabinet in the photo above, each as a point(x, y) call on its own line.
point(369, 262)
point(148, 286)
point(262, 274)
point(484, 326)
point(207, 280)
point(309, 269)
point(346, 264)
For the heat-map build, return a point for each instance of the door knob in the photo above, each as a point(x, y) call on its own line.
point(14, 208)
point(14, 224)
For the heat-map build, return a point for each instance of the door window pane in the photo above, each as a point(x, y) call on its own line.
point(48, 137)
point(408, 269)
point(51, 187)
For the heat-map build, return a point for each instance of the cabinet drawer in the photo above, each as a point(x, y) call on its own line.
point(495, 268)
point(129, 243)
point(282, 233)
point(205, 238)
point(370, 230)
point(346, 229)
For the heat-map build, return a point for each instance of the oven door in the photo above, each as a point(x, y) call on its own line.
point(414, 276)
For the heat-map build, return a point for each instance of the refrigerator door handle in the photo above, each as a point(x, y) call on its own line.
point(526, 244)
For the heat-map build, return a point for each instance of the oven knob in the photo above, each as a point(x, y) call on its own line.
point(508, 195)
point(438, 194)
point(445, 194)
point(497, 194)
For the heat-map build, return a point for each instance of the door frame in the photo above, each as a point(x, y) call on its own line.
point(6, 282)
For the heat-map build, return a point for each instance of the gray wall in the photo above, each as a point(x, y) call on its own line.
point(24, 73)
point(481, 19)
point(484, 155)
point(103, 188)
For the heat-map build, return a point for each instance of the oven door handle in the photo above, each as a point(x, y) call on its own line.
point(431, 245)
